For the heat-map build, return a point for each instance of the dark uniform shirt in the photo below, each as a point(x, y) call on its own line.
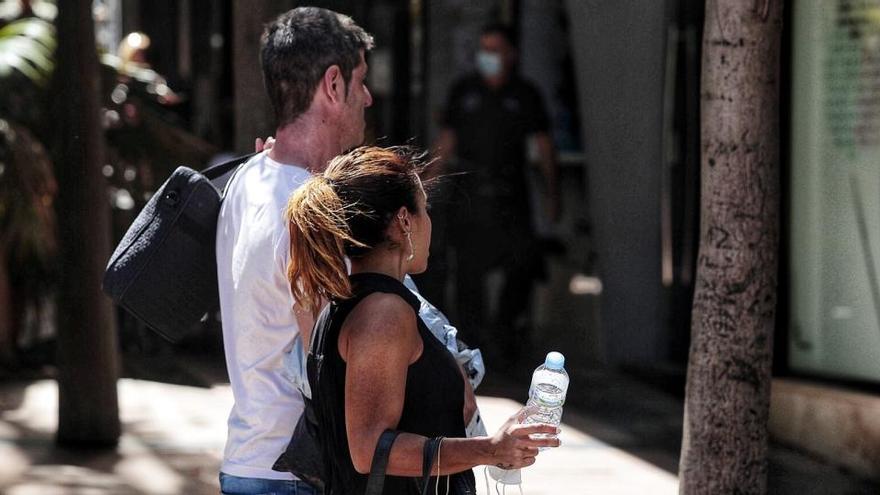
point(491, 127)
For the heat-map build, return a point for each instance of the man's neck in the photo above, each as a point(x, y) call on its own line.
point(308, 142)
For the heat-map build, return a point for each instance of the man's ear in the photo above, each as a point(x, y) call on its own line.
point(333, 84)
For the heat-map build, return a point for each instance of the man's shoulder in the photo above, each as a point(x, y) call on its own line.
point(262, 177)
point(263, 164)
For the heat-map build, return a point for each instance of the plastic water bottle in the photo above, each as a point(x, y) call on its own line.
point(547, 393)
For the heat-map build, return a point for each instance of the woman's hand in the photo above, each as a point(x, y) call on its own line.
point(512, 448)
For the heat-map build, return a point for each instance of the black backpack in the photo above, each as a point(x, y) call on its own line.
point(164, 270)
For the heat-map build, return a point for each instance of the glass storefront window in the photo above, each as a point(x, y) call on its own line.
point(835, 189)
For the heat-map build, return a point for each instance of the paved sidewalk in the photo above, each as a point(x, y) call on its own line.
point(173, 441)
point(582, 465)
point(619, 437)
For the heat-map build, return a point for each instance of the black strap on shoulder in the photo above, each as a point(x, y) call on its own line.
point(215, 171)
point(220, 174)
point(376, 481)
point(429, 452)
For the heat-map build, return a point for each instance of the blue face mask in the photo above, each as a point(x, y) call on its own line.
point(488, 63)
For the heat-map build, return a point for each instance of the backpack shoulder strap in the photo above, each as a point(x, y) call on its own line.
point(219, 169)
point(220, 174)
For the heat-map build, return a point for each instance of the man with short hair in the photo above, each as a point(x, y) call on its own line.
point(314, 69)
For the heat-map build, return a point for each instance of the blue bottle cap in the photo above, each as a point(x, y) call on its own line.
point(555, 361)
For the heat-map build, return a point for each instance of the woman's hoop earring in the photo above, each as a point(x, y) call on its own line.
point(412, 251)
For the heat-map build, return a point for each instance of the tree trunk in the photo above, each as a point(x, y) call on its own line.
point(253, 113)
point(87, 350)
point(724, 448)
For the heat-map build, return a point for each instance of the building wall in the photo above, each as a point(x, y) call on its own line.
point(542, 49)
point(619, 50)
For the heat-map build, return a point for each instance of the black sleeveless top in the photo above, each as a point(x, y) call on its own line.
point(434, 397)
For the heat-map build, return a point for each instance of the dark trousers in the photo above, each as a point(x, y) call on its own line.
point(480, 248)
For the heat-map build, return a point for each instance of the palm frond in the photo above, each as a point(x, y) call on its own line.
point(27, 46)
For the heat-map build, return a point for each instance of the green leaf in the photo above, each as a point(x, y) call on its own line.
point(31, 27)
point(22, 65)
point(28, 46)
point(33, 52)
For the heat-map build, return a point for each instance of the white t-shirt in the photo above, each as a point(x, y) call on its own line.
point(259, 325)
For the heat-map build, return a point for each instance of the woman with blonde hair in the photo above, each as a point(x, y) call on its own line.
point(380, 368)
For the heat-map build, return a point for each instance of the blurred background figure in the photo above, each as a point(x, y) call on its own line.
point(134, 62)
point(489, 117)
point(133, 49)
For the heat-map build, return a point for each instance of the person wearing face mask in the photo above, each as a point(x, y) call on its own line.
point(489, 117)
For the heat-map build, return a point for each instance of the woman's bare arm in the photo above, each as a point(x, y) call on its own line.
point(379, 341)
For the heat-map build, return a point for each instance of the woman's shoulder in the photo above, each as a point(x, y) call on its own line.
point(384, 311)
point(382, 320)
